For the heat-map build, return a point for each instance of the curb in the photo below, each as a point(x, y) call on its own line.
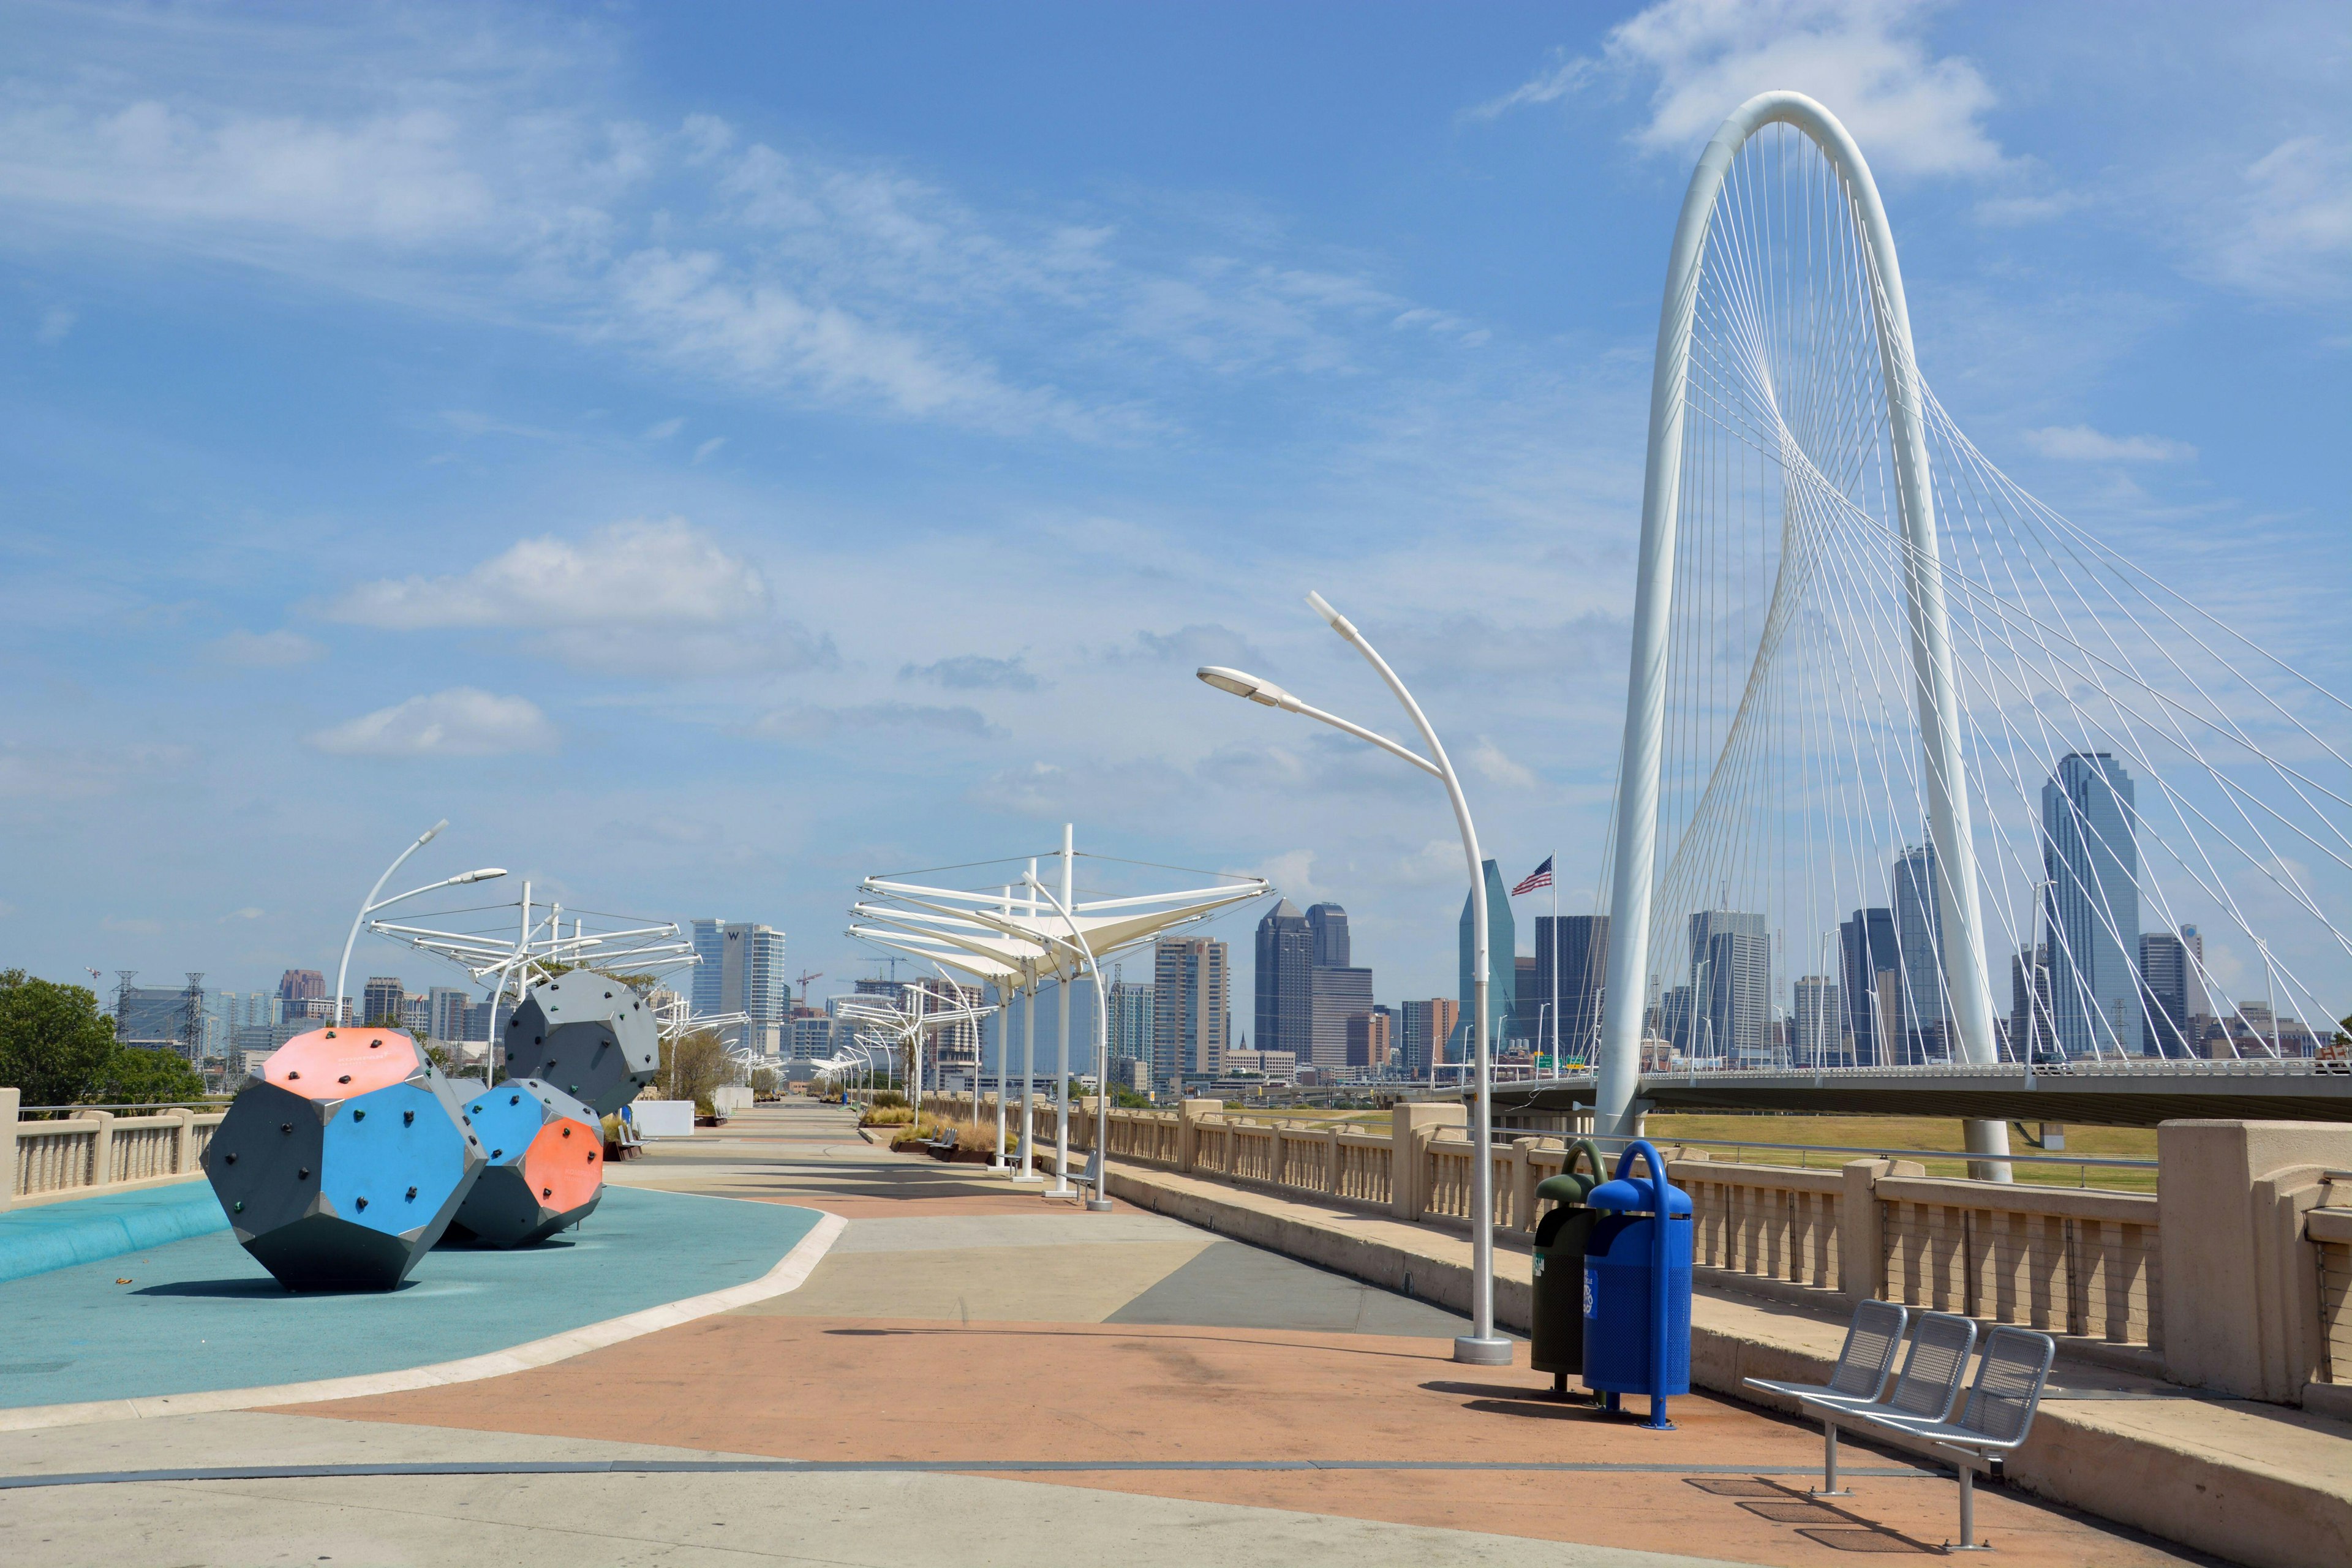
point(59, 1235)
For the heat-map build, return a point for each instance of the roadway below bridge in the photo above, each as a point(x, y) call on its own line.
point(975, 1374)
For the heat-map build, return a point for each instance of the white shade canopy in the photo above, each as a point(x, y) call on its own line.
point(1108, 925)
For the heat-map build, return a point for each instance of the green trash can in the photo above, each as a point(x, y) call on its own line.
point(1556, 1343)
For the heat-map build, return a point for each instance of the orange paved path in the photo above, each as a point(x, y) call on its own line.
point(848, 1386)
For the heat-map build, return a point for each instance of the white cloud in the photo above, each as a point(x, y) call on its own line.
point(1497, 767)
point(1203, 643)
point(974, 672)
point(1913, 112)
point(460, 722)
point(1565, 75)
point(1292, 872)
point(708, 447)
point(664, 430)
point(2081, 444)
point(280, 649)
point(487, 168)
point(662, 572)
point(804, 721)
point(56, 322)
point(2286, 231)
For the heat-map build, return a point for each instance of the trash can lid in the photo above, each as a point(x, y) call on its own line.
point(1568, 1187)
point(1632, 1195)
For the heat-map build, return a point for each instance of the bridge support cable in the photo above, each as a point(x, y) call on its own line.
point(1894, 727)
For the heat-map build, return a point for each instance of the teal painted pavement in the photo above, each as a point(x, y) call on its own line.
point(83, 1230)
point(199, 1314)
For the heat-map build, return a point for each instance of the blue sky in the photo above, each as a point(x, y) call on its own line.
point(710, 453)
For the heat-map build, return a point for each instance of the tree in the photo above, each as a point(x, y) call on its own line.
point(138, 1075)
point(692, 1065)
point(764, 1082)
point(54, 1042)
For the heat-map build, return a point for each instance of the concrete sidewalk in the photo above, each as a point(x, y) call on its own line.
point(2263, 1483)
point(987, 1376)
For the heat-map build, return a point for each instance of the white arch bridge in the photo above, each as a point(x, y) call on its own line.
point(1919, 778)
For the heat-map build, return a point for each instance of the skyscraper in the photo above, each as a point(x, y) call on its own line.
point(1426, 1027)
point(380, 998)
point(1286, 987)
point(1192, 1006)
point(1576, 947)
point(1817, 1023)
point(1130, 1021)
point(1867, 950)
point(447, 1012)
point(1329, 921)
point(1731, 987)
point(2029, 1035)
point(710, 957)
point(2090, 861)
point(742, 970)
point(1919, 957)
point(1337, 996)
point(2164, 971)
point(1530, 1008)
point(1335, 991)
point(1502, 967)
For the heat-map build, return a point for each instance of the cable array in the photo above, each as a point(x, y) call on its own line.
point(2160, 806)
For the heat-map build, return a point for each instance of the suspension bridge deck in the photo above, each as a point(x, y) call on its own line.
point(2107, 1094)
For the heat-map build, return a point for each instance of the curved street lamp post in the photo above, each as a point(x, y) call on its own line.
point(1100, 1201)
point(1482, 1346)
point(370, 904)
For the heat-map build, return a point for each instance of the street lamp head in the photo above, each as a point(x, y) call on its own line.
point(432, 833)
point(1265, 692)
point(488, 873)
point(1322, 608)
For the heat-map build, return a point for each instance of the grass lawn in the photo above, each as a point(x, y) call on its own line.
point(1907, 1136)
point(1897, 1134)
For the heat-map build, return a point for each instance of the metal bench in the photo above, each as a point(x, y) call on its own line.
point(1995, 1421)
point(1864, 1363)
point(1933, 1371)
point(943, 1146)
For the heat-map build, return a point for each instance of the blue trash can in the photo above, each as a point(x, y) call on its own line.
point(1637, 1287)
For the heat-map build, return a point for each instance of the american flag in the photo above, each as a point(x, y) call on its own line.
point(1539, 877)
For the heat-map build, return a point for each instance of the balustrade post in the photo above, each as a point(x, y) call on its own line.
point(1862, 1249)
point(1412, 1124)
point(102, 1158)
point(1523, 1186)
point(1188, 1115)
point(9, 1101)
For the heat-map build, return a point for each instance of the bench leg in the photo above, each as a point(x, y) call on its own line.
point(1969, 1542)
point(1829, 1486)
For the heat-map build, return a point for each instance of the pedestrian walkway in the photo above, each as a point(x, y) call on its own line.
point(974, 1373)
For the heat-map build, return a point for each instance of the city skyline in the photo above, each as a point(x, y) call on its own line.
point(311, 628)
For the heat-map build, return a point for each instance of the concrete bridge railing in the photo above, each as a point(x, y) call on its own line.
point(2235, 1274)
point(93, 1151)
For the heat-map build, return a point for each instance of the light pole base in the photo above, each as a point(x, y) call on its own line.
point(1098, 1205)
point(1472, 1351)
point(1027, 1176)
point(1060, 1189)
